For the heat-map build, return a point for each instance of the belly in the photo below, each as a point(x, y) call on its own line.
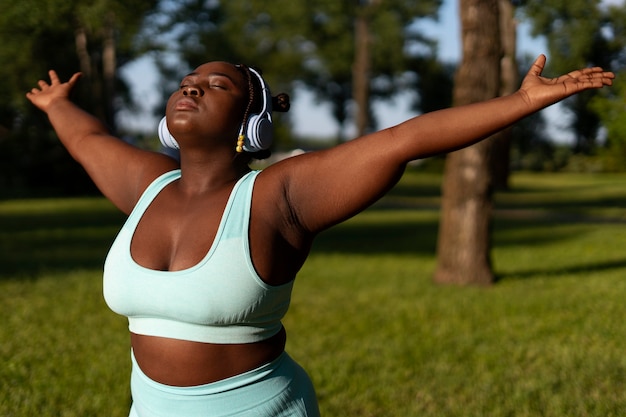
point(183, 363)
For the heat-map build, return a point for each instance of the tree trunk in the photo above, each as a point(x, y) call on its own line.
point(109, 64)
point(361, 73)
point(464, 236)
point(501, 160)
point(80, 38)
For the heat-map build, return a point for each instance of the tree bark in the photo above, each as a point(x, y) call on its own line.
point(361, 73)
point(80, 38)
point(501, 160)
point(463, 251)
point(109, 65)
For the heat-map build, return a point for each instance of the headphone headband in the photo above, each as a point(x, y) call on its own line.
point(258, 130)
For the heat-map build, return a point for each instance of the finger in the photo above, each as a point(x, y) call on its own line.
point(606, 77)
point(42, 84)
point(608, 74)
point(596, 80)
point(594, 75)
point(589, 72)
point(608, 80)
point(54, 78)
point(592, 72)
point(32, 93)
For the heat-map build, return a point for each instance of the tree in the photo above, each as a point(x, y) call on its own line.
point(267, 36)
point(360, 48)
point(611, 105)
point(361, 66)
point(501, 155)
point(95, 37)
point(464, 241)
point(309, 43)
point(578, 34)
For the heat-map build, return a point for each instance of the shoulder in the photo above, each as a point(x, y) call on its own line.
point(144, 172)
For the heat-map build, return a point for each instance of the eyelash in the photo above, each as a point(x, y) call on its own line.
point(210, 86)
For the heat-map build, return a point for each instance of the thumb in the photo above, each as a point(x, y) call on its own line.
point(74, 78)
point(538, 65)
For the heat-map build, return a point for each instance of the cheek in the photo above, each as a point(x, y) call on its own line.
point(168, 113)
point(170, 102)
point(239, 111)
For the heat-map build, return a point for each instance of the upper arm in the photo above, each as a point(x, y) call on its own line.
point(120, 171)
point(327, 187)
point(324, 188)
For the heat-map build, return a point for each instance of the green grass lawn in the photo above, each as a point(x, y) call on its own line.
point(376, 335)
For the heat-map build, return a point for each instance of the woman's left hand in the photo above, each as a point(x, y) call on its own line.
point(540, 92)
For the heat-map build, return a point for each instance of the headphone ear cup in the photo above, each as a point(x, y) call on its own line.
point(259, 133)
point(165, 136)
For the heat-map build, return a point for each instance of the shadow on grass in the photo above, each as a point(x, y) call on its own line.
point(572, 270)
point(35, 242)
point(78, 237)
point(407, 237)
point(578, 198)
point(420, 236)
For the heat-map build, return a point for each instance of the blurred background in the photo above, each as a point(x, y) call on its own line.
point(377, 337)
point(350, 67)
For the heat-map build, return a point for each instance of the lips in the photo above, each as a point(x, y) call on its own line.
point(186, 104)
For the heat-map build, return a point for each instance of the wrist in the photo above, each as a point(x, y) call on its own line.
point(56, 104)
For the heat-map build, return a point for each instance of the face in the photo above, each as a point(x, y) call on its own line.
point(209, 105)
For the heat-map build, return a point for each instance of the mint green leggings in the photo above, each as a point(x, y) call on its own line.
point(280, 388)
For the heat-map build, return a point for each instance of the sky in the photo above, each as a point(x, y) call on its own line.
point(313, 119)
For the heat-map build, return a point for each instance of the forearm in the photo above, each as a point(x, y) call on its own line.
point(454, 128)
point(451, 129)
point(73, 125)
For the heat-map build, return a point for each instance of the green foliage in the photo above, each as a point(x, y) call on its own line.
point(571, 29)
point(376, 336)
point(292, 41)
point(580, 33)
point(38, 35)
point(611, 105)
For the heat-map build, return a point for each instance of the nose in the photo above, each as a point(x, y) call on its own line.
point(192, 90)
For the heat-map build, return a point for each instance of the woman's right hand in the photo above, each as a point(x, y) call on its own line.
point(46, 94)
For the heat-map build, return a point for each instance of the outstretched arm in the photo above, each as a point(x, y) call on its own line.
point(458, 127)
point(119, 170)
point(327, 187)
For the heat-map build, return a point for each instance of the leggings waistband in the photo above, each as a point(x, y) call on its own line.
point(279, 388)
point(227, 384)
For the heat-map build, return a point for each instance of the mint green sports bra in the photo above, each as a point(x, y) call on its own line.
point(220, 300)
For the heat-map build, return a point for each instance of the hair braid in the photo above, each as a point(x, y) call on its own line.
point(279, 103)
point(246, 114)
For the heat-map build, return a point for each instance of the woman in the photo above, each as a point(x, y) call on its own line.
point(204, 266)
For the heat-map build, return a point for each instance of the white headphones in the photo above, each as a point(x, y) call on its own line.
point(165, 136)
point(258, 131)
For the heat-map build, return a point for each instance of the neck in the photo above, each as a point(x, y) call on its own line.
point(201, 173)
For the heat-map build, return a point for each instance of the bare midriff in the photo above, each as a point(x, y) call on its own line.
point(184, 363)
